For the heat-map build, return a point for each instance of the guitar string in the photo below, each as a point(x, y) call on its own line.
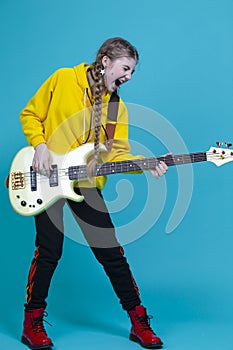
point(170, 160)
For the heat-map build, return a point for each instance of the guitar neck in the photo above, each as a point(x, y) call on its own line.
point(80, 172)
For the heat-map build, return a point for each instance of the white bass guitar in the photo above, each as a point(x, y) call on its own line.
point(31, 193)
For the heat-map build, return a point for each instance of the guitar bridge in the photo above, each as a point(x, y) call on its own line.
point(17, 181)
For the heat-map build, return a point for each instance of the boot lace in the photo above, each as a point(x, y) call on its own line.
point(38, 325)
point(144, 322)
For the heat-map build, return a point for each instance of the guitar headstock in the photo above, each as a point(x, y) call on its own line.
point(219, 155)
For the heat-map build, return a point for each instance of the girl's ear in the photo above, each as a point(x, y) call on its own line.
point(105, 61)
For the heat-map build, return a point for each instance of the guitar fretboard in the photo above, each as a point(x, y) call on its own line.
point(79, 172)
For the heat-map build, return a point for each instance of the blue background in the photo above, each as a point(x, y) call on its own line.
point(186, 74)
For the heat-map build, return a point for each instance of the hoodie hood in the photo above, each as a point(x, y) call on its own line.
point(81, 75)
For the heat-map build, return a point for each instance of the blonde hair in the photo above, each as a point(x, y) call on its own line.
point(113, 48)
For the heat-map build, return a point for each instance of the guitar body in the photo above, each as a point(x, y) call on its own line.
point(32, 193)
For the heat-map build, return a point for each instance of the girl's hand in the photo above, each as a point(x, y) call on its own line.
point(160, 169)
point(42, 161)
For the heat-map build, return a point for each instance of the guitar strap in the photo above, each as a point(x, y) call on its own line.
point(112, 113)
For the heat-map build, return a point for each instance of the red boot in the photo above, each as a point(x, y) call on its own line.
point(141, 331)
point(34, 334)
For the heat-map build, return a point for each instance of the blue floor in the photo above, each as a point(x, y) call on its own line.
point(113, 334)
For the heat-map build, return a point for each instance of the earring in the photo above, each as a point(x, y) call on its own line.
point(102, 71)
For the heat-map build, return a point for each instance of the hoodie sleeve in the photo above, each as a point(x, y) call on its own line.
point(34, 114)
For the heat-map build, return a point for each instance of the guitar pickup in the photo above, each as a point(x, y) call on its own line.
point(53, 179)
point(33, 179)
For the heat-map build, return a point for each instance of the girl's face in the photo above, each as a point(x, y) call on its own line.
point(117, 71)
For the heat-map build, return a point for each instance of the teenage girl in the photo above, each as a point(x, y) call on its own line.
point(68, 110)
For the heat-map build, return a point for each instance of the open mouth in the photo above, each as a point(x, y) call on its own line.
point(118, 82)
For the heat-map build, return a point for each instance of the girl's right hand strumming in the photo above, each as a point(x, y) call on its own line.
point(42, 160)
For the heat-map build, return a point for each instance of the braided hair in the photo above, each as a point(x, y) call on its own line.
point(112, 48)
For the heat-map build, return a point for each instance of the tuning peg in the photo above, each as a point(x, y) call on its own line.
point(219, 144)
point(228, 145)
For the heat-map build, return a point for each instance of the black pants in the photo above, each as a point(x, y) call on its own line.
point(95, 222)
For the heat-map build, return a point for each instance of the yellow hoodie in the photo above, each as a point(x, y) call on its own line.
point(59, 114)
